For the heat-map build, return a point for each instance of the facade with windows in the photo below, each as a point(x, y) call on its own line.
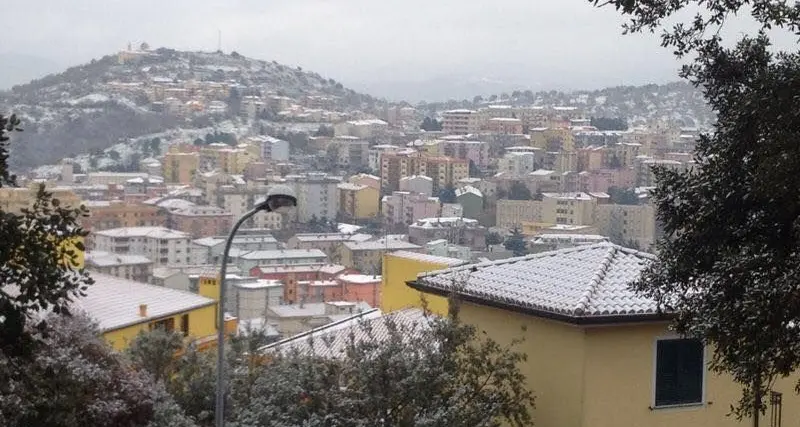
point(597, 354)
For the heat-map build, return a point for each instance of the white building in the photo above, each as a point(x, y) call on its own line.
point(249, 259)
point(273, 149)
point(316, 195)
point(162, 245)
point(517, 164)
point(250, 298)
point(417, 184)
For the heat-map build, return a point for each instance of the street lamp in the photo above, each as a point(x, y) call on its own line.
point(280, 199)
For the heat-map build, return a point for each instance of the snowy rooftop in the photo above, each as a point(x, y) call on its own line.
point(108, 259)
point(151, 232)
point(575, 284)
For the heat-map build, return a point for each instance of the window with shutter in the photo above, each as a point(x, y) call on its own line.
point(680, 371)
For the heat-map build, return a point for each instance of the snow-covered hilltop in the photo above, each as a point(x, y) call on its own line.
point(140, 91)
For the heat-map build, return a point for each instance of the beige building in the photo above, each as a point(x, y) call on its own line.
point(626, 224)
point(366, 257)
point(513, 213)
point(568, 208)
point(132, 267)
point(13, 199)
point(461, 122)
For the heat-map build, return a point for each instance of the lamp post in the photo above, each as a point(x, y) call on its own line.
point(281, 199)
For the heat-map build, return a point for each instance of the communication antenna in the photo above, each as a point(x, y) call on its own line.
point(219, 40)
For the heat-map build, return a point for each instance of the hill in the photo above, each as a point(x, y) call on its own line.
point(118, 97)
point(677, 102)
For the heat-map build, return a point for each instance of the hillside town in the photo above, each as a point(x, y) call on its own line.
point(538, 215)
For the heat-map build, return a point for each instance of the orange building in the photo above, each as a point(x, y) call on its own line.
point(116, 214)
point(361, 287)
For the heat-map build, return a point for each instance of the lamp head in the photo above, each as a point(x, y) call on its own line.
point(280, 199)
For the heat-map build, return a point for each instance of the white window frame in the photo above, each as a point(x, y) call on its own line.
point(653, 377)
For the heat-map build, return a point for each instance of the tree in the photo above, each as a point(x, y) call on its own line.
point(74, 379)
point(155, 146)
point(448, 194)
point(519, 191)
point(728, 263)
point(198, 142)
point(154, 352)
point(439, 372)
point(623, 196)
point(325, 131)
point(608, 123)
point(114, 155)
point(516, 243)
point(40, 257)
point(493, 238)
point(430, 125)
point(474, 170)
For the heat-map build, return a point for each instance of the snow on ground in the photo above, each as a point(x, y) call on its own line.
point(93, 98)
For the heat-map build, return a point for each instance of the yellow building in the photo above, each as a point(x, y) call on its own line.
point(568, 208)
point(552, 139)
point(180, 168)
point(598, 355)
point(357, 201)
point(14, 199)
point(122, 308)
point(402, 266)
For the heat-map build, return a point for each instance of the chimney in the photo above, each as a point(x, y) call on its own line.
point(142, 310)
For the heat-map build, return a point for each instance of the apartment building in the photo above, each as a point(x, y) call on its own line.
point(131, 267)
point(326, 242)
point(517, 164)
point(250, 298)
point(552, 139)
point(14, 199)
point(568, 208)
point(375, 152)
point(246, 260)
point(471, 201)
point(365, 129)
point(317, 195)
point(357, 202)
point(402, 207)
point(115, 214)
point(504, 125)
point(200, 221)
point(513, 213)
point(366, 257)
point(180, 168)
point(461, 122)
point(271, 149)
point(627, 224)
point(645, 176)
point(455, 230)
point(459, 148)
point(348, 151)
point(366, 179)
point(112, 178)
point(417, 184)
point(162, 245)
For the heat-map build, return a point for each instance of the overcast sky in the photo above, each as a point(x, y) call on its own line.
point(367, 44)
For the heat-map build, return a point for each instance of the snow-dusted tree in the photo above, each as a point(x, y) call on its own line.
point(730, 263)
point(74, 379)
point(38, 257)
point(155, 352)
point(442, 373)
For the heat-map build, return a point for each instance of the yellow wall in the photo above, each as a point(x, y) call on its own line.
point(202, 324)
point(555, 366)
point(395, 294)
point(624, 356)
point(366, 203)
point(602, 376)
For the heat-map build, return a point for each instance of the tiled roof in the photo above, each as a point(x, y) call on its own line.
point(571, 284)
point(114, 302)
point(331, 340)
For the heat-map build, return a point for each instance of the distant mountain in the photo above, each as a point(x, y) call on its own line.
point(77, 111)
point(677, 102)
point(19, 68)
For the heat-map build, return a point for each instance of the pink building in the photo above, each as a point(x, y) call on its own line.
point(405, 208)
point(201, 221)
point(476, 151)
point(599, 181)
point(361, 287)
